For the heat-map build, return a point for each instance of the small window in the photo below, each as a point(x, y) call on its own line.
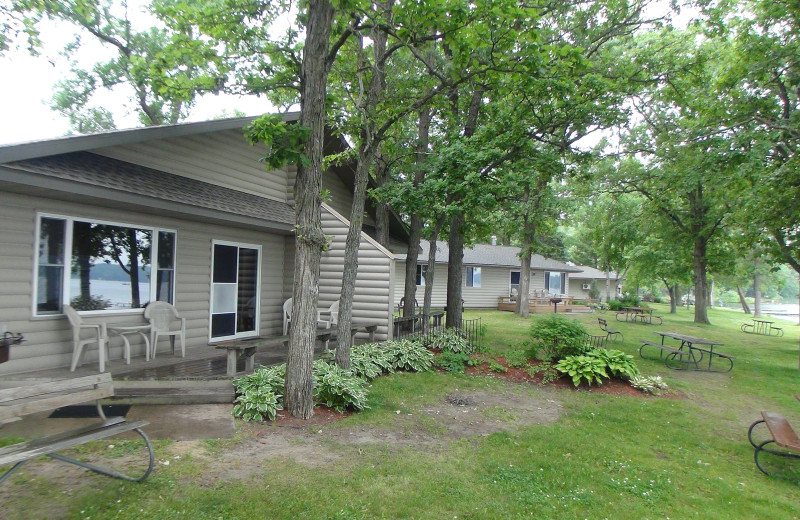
point(422, 274)
point(514, 289)
point(473, 276)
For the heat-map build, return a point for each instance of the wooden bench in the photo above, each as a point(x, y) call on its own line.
point(782, 435)
point(246, 349)
point(672, 353)
point(24, 400)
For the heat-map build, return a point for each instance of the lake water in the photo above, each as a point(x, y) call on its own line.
point(118, 292)
point(784, 311)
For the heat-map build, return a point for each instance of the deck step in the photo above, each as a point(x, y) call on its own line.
point(174, 392)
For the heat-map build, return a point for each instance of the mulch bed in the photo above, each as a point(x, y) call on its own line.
point(610, 386)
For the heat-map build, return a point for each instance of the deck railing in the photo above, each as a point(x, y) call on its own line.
point(420, 326)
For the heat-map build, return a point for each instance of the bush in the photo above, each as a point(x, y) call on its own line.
point(619, 364)
point(409, 355)
point(630, 300)
point(517, 358)
point(649, 384)
point(452, 362)
point(559, 337)
point(338, 389)
point(451, 340)
point(370, 361)
point(90, 303)
point(616, 305)
point(581, 368)
point(259, 395)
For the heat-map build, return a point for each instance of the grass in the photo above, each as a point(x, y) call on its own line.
point(606, 457)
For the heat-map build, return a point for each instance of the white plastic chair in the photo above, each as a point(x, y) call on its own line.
point(162, 317)
point(98, 336)
point(333, 315)
point(287, 316)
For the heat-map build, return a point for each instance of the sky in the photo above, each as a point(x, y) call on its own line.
point(27, 87)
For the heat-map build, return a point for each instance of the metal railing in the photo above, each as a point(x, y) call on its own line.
point(424, 327)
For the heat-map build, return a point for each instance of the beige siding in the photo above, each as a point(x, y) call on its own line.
point(495, 282)
point(48, 339)
point(372, 299)
point(220, 158)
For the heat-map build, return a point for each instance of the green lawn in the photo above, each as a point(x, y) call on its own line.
point(604, 457)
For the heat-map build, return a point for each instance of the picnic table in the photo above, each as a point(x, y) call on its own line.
point(638, 314)
point(762, 327)
point(690, 353)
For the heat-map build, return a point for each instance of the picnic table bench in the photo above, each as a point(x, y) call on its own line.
point(691, 352)
point(783, 436)
point(24, 400)
point(762, 327)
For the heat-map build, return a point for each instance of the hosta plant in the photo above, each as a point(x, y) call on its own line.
point(408, 355)
point(619, 364)
point(450, 340)
point(583, 368)
point(337, 388)
point(649, 384)
point(257, 404)
point(370, 361)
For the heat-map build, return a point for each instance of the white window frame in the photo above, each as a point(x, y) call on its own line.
point(249, 334)
point(65, 279)
point(468, 278)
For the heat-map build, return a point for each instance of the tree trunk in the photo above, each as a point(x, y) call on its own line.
point(134, 269)
point(455, 268)
point(608, 286)
point(674, 295)
point(310, 241)
point(426, 304)
point(366, 155)
point(757, 288)
point(742, 300)
point(523, 300)
point(700, 272)
point(382, 209)
point(415, 222)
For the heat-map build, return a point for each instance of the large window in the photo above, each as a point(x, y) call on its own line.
point(422, 274)
point(473, 278)
point(101, 266)
point(514, 283)
point(555, 283)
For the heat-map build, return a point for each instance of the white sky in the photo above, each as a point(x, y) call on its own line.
point(26, 87)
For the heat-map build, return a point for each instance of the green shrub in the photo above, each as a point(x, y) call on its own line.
point(616, 305)
point(559, 337)
point(494, 366)
point(338, 389)
point(548, 371)
point(517, 358)
point(370, 361)
point(630, 300)
point(259, 394)
point(583, 368)
point(409, 355)
point(452, 362)
point(450, 340)
point(649, 384)
point(257, 404)
point(90, 303)
point(619, 364)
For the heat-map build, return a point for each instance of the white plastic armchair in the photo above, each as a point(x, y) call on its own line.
point(164, 318)
point(287, 316)
point(99, 336)
point(332, 314)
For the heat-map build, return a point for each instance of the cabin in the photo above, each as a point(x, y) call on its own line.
point(183, 213)
point(491, 276)
point(580, 284)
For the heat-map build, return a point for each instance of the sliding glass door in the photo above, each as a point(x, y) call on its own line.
point(234, 290)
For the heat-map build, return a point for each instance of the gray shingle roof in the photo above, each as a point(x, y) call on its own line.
point(500, 256)
point(590, 273)
point(96, 170)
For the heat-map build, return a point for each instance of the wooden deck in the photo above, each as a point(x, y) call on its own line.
point(199, 378)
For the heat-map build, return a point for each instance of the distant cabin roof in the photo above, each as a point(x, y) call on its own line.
point(495, 256)
point(590, 273)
